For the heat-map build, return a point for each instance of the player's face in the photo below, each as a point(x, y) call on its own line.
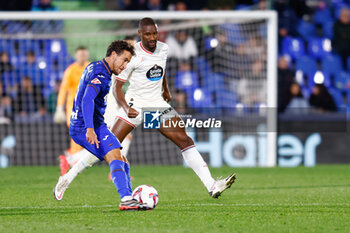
point(149, 36)
point(82, 56)
point(120, 61)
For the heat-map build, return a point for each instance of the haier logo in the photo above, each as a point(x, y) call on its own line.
point(251, 150)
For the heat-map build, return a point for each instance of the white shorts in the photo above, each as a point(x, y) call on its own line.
point(159, 105)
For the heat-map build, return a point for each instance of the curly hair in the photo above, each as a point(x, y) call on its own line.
point(119, 46)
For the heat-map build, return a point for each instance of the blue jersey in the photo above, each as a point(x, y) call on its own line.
point(97, 75)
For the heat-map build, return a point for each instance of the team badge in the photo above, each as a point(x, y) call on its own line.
point(96, 81)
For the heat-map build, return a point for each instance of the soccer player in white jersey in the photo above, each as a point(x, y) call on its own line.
point(148, 88)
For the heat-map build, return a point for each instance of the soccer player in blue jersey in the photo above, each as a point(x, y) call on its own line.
point(87, 126)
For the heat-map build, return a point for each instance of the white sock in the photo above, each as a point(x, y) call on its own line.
point(195, 161)
point(125, 144)
point(87, 160)
point(126, 198)
point(74, 158)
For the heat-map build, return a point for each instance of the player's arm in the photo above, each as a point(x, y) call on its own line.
point(120, 97)
point(60, 116)
point(88, 105)
point(166, 92)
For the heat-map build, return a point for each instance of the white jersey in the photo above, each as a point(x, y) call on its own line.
point(145, 73)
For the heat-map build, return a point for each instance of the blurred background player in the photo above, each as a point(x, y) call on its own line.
point(64, 107)
point(88, 128)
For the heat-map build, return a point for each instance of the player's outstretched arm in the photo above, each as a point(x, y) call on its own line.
point(166, 92)
point(120, 97)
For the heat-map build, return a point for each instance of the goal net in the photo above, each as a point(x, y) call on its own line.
point(220, 65)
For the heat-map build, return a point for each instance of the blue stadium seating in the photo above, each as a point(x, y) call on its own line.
point(200, 98)
point(317, 47)
point(331, 64)
point(327, 28)
point(225, 99)
point(213, 82)
point(341, 80)
point(316, 77)
point(306, 64)
point(322, 16)
point(294, 47)
point(186, 81)
point(233, 33)
point(306, 30)
point(338, 98)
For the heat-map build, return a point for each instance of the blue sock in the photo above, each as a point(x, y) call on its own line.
point(120, 178)
point(127, 171)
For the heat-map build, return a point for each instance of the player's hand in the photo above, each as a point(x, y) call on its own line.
point(166, 96)
point(132, 113)
point(91, 137)
point(59, 116)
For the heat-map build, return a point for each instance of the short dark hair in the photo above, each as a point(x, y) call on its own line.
point(146, 22)
point(119, 46)
point(81, 47)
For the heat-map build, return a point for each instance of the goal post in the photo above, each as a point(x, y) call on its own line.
point(96, 29)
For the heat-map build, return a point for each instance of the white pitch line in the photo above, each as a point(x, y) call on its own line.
point(183, 205)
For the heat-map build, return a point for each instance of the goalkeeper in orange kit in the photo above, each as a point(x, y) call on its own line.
point(64, 107)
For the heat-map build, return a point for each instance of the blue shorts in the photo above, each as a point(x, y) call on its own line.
point(106, 138)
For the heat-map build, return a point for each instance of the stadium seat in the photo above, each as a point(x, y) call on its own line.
point(225, 99)
point(15, 28)
point(306, 64)
point(202, 66)
point(200, 98)
point(327, 28)
point(338, 97)
point(55, 48)
point(319, 77)
point(25, 45)
point(294, 47)
point(331, 64)
point(234, 34)
point(306, 30)
point(186, 81)
point(7, 46)
point(319, 48)
point(213, 82)
point(322, 16)
point(342, 80)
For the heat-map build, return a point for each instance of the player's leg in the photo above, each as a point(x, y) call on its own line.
point(120, 179)
point(194, 159)
point(122, 130)
point(189, 152)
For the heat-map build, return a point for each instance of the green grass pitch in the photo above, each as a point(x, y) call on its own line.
point(262, 200)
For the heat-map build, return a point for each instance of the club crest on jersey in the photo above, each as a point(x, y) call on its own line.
point(96, 81)
point(155, 73)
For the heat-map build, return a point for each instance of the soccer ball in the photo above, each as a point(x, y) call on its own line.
point(146, 195)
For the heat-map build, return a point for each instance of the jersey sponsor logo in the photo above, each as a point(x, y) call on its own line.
point(155, 73)
point(101, 76)
point(96, 81)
